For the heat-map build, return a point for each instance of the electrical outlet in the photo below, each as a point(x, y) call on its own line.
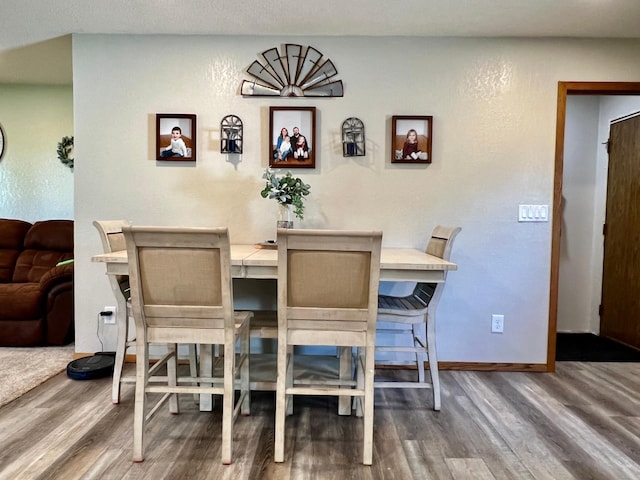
point(108, 319)
point(497, 323)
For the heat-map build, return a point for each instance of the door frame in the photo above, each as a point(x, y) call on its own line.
point(564, 89)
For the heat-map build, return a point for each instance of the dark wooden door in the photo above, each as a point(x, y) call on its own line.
point(620, 318)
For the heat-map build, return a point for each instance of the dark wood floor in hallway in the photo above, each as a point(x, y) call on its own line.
point(582, 422)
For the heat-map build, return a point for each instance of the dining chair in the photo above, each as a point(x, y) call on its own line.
point(414, 316)
point(181, 292)
point(327, 296)
point(113, 241)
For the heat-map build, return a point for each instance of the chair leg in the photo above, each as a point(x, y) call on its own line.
point(245, 392)
point(172, 377)
point(193, 367)
point(359, 401)
point(121, 350)
point(142, 377)
point(227, 405)
point(290, 360)
point(369, 367)
point(420, 356)
point(346, 374)
point(281, 400)
point(433, 361)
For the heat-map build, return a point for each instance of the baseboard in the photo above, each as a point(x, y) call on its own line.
point(470, 366)
point(494, 367)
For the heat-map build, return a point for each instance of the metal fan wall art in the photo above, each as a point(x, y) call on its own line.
point(296, 71)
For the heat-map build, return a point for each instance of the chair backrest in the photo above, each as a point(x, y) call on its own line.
point(180, 279)
point(440, 245)
point(441, 241)
point(328, 281)
point(111, 234)
point(112, 240)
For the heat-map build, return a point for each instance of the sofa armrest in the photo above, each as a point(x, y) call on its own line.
point(59, 314)
point(55, 276)
point(57, 288)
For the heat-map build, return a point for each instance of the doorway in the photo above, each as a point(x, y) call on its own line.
point(565, 89)
point(621, 279)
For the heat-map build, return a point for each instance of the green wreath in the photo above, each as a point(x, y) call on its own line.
point(65, 151)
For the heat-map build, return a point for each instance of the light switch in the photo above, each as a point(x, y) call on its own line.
point(533, 213)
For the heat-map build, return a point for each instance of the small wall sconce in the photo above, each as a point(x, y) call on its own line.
point(231, 134)
point(352, 137)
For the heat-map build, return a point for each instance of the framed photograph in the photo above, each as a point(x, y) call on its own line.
point(292, 136)
point(411, 139)
point(175, 137)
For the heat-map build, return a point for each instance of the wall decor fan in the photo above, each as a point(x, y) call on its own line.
point(296, 71)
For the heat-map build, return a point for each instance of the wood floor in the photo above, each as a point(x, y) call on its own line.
point(582, 422)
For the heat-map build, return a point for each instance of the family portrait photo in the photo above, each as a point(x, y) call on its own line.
point(292, 136)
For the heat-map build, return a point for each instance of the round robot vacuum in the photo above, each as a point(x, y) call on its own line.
point(87, 368)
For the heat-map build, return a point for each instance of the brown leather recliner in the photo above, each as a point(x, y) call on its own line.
point(36, 296)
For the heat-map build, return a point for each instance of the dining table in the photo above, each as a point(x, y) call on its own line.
point(257, 262)
point(250, 261)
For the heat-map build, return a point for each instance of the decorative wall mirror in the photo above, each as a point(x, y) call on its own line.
point(231, 134)
point(2, 142)
point(352, 137)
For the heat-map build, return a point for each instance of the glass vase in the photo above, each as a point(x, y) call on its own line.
point(285, 215)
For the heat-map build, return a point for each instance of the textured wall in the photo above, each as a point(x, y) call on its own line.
point(34, 184)
point(494, 108)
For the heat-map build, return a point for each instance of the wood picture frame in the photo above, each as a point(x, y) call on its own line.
point(185, 125)
point(299, 123)
point(411, 139)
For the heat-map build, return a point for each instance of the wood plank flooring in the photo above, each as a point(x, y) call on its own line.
point(582, 422)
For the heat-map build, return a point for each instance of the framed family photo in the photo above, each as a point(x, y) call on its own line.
point(411, 139)
point(176, 137)
point(292, 135)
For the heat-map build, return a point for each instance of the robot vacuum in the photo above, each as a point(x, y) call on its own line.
point(87, 368)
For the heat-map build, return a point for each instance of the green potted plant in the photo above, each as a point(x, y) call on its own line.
point(288, 191)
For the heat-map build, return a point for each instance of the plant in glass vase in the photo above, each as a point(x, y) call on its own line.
point(288, 191)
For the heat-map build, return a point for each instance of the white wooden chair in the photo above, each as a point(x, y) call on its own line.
point(409, 315)
point(181, 292)
point(112, 240)
point(327, 295)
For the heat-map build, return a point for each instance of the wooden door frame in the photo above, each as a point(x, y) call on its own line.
point(564, 89)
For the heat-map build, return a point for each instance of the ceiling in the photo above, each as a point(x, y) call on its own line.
point(35, 42)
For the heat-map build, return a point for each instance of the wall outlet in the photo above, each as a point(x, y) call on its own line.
point(497, 323)
point(108, 319)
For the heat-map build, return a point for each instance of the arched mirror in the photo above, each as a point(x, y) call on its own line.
point(352, 137)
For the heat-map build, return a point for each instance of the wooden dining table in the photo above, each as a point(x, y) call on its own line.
point(252, 262)
point(249, 261)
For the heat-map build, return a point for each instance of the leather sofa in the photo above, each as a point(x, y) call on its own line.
point(36, 294)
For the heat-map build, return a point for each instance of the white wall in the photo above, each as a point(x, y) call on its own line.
point(578, 194)
point(494, 108)
point(34, 184)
